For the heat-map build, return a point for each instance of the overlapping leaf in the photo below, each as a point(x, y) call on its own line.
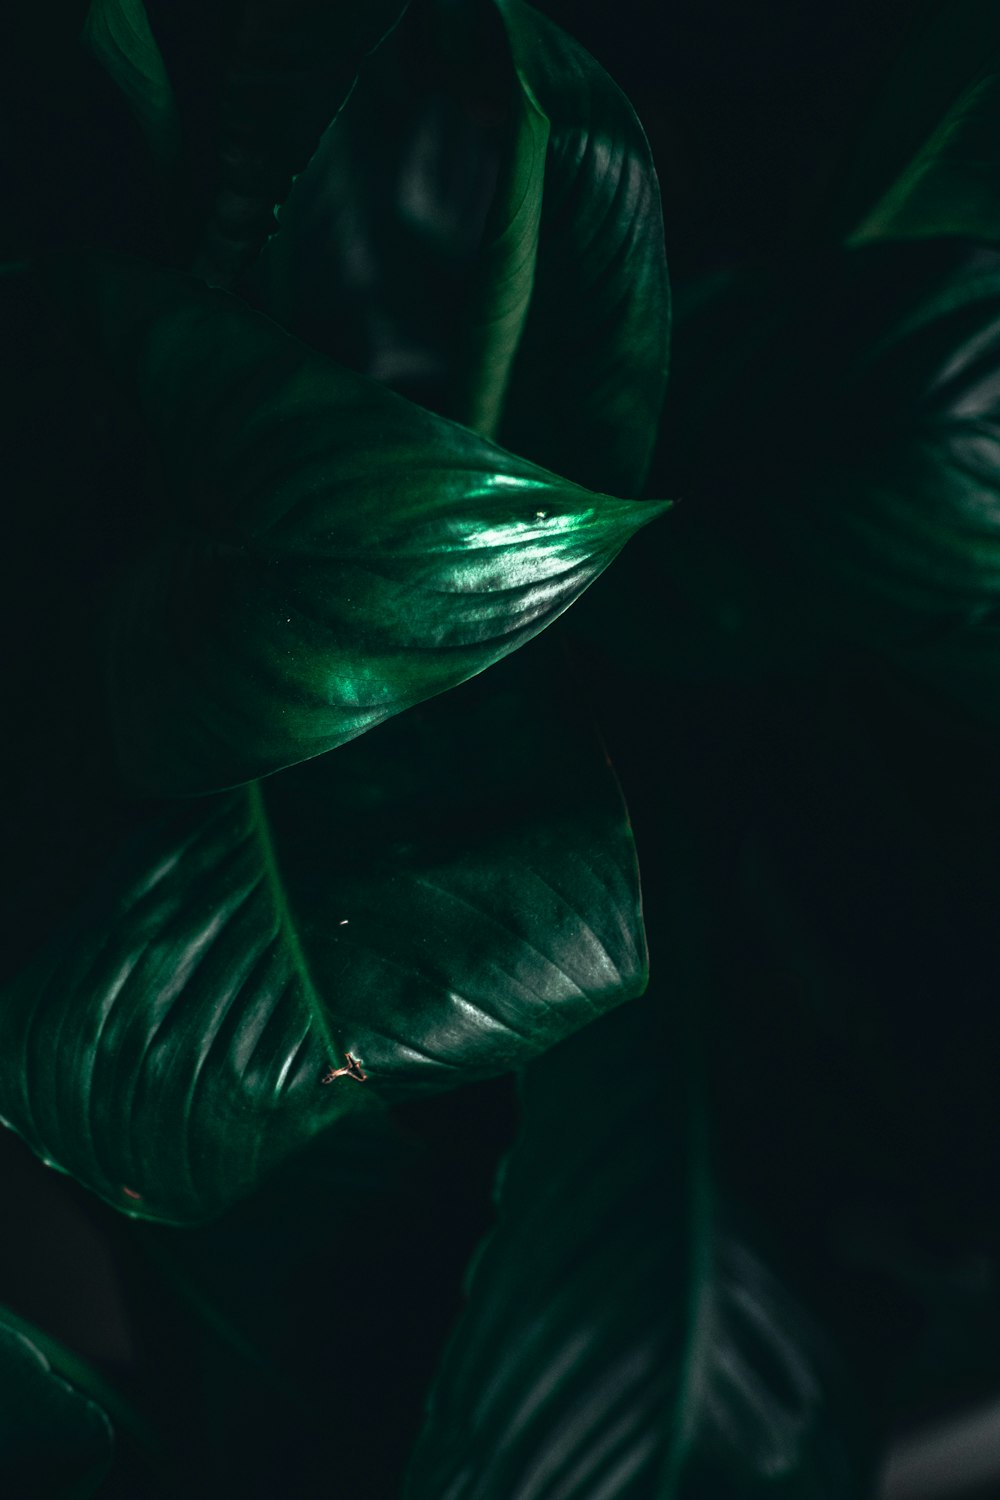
point(551, 308)
point(441, 900)
point(622, 1338)
point(328, 554)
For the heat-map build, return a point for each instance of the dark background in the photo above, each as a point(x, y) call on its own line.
point(752, 111)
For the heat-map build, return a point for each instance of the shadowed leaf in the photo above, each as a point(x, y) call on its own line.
point(289, 70)
point(927, 163)
point(588, 381)
point(327, 553)
point(483, 225)
point(117, 33)
point(622, 1337)
point(840, 461)
point(55, 1443)
point(441, 900)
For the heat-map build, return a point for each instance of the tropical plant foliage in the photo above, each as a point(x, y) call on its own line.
point(325, 955)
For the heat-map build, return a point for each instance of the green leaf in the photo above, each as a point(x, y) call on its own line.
point(118, 35)
point(902, 535)
point(442, 901)
point(587, 385)
point(498, 306)
point(841, 454)
point(486, 222)
point(622, 1336)
point(927, 163)
point(290, 69)
point(55, 1443)
point(327, 554)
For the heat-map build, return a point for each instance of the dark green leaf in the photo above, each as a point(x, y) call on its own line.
point(484, 225)
point(328, 554)
point(588, 381)
point(927, 162)
point(902, 534)
point(441, 900)
point(117, 33)
point(357, 1248)
point(55, 1443)
point(494, 319)
point(841, 456)
point(291, 66)
point(377, 256)
point(623, 1338)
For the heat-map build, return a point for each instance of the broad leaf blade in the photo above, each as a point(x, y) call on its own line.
point(55, 1443)
point(621, 1337)
point(328, 555)
point(442, 901)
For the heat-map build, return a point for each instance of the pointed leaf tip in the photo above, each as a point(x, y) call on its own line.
point(329, 553)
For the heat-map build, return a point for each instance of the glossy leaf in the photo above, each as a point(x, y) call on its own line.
point(927, 161)
point(622, 1336)
point(375, 263)
point(441, 901)
point(588, 382)
point(328, 554)
point(118, 35)
point(55, 1443)
point(498, 306)
point(494, 242)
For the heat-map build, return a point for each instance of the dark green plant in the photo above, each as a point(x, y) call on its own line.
point(341, 388)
